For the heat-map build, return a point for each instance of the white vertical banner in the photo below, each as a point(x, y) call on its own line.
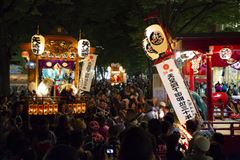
point(87, 72)
point(177, 91)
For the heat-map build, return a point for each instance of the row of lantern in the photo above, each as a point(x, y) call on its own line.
point(155, 44)
point(42, 109)
point(38, 46)
point(50, 109)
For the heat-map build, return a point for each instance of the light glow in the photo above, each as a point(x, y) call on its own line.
point(37, 44)
point(225, 53)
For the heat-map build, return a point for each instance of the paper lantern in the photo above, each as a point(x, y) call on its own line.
point(186, 55)
point(150, 52)
point(236, 65)
point(225, 53)
point(157, 38)
point(83, 47)
point(37, 44)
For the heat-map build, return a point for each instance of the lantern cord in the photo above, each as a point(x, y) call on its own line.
point(80, 34)
point(37, 29)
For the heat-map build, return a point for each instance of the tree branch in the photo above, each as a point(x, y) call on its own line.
point(206, 8)
point(175, 14)
point(31, 7)
point(7, 8)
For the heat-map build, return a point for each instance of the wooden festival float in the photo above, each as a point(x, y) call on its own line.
point(117, 74)
point(53, 75)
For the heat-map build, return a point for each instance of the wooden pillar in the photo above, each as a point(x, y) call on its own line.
point(209, 84)
point(191, 78)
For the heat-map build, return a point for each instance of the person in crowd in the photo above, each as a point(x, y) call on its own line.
point(63, 152)
point(155, 128)
point(173, 147)
point(67, 95)
point(224, 87)
point(169, 117)
point(63, 129)
point(79, 124)
point(114, 127)
point(42, 137)
point(217, 147)
point(200, 104)
point(136, 144)
point(152, 111)
point(76, 140)
point(19, 147)
point(194, 129)
point(235, 90)
point(131, 118)
point(218, 87)
point(201, 145)
point(112, 145)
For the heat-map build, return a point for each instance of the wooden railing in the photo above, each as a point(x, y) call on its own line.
point(230, 126)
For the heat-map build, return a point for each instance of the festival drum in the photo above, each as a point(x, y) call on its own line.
point(219, 99)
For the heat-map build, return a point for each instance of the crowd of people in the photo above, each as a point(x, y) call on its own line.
point(231, 89)
point(120, 124)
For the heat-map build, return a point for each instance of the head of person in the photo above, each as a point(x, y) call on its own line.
point(79, 124)
point(63, 121)
point(131, 117)
point(173, 140)
point(135, 144)
point(155, 127)
point(132, 104)
point(76, 139)
point(201, 144)
point(192, 126)
point(154, 101)
point(169, 117)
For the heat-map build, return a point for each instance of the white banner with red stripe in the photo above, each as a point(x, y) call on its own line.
point(87, 72)
point(177, 91)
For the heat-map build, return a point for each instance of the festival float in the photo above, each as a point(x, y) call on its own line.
point(157, 45)
point(53, 64)
point(117, 74)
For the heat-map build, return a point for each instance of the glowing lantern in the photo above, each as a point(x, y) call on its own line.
point(37, 44)
point(157, 38)
point(150, 52)
point(83, 47)
point(225, 53)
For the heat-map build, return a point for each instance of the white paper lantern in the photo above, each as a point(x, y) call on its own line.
point(157, 38)
point(83, 47)
point(236, 65)
point(37, 44)
point(150, 52)
point(225, 53)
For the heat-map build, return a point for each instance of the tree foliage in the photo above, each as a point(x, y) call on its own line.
point(117, 25)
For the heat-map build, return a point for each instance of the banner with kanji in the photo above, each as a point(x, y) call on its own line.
point(87, 72)
point(176, 90)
